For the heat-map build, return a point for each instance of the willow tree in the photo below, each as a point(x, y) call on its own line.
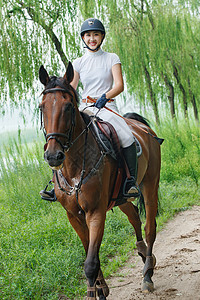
point(130, 34)
point(158, 43)
point(159, 47)
point(176, 37)
point(34, 32)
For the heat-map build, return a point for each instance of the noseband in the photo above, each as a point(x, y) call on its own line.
point(55, 135)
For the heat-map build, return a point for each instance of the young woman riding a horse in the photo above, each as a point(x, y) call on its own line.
point(84, 182)
point(98, 70)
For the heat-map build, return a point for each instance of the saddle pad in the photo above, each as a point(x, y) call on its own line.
point(104, 139)
point(109, 131)
point(138, 147)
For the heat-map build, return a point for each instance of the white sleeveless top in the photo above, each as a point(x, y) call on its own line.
point(95, 71)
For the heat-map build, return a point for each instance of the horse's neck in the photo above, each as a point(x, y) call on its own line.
point(84, 150)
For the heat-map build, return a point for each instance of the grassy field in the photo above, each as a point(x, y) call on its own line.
point(40, 254)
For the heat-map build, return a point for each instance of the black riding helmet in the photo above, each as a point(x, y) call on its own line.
point(92, 24)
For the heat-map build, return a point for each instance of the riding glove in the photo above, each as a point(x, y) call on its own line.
point(101, 102)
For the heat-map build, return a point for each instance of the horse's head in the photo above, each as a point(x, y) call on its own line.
point(58, 112)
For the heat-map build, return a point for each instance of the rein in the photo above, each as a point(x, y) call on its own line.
point(160, 141)
point(83, 180)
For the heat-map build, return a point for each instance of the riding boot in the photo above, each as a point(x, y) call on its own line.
point(48, 195)
point(131, 189)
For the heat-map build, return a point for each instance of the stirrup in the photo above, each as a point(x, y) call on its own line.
point(48, 195)
point(134, 190)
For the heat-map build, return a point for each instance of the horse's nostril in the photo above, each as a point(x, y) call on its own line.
point(46, 155)
point(54, 159)
point(60, 155)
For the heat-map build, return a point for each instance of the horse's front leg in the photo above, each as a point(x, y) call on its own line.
point(95, 221)
point(80, 226)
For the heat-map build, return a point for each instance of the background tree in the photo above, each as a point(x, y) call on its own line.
point(32, 33)
point(162, 53)
point(157, 41)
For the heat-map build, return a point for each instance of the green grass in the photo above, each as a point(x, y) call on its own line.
point(26, 136)
point(180, 151)
point(40, 254)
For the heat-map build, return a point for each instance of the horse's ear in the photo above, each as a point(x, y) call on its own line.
point(43, 75)
point(69, 75)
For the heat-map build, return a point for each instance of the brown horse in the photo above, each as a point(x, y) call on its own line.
point(84, 182)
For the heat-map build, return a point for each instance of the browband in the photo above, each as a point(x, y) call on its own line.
point(54, 90)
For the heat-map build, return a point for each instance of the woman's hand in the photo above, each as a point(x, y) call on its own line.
point(101, 102)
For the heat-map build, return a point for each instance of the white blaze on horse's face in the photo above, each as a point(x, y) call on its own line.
point(54, 102)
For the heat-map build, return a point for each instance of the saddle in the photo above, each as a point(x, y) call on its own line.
point(108, 141)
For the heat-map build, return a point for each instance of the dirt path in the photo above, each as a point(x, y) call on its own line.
point(177, 273)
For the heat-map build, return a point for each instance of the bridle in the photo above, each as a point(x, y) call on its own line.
point(67, 146)
point(55, 135)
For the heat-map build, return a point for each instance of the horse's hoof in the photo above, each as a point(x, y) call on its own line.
point(103, 291)
point(102, 297)
point(147, 287)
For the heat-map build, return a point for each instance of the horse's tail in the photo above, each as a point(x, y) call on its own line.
point(137, 117)
point(143, 120)
point(141, 206)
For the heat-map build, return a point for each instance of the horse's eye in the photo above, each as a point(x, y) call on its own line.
point(67, 107)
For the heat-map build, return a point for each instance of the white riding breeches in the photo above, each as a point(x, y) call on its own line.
point(124, 133)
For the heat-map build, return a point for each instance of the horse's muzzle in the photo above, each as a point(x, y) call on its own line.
point(55, 160)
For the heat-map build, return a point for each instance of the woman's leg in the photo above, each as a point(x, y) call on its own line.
point(129, 151)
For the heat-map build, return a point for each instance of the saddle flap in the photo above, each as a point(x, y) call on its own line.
point(109, 131)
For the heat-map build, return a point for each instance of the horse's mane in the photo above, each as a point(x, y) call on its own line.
point(62, 83)
point(136, 117)
point(85, 117)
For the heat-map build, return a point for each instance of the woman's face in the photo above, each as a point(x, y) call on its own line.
point(93, 39)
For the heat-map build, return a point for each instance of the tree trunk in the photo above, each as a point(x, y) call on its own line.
point(150, 16)
point(195, 109)
point(170, 96)
point(185, 105)
point(36, 18)
point(193, 101)
point(142, 9)
point(152, 95)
